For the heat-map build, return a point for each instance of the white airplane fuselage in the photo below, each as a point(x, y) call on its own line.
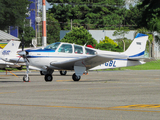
point(67, 56)
point(43, 59)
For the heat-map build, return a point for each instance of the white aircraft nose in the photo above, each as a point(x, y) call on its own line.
point(22, 53)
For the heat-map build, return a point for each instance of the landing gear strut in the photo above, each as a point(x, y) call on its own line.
point(26, 77)
point(46, 72)
point(41, 73)
point(63, 72)
point(75, 77)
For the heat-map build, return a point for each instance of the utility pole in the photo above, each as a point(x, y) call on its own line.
point(44, 34)
point(36, 17)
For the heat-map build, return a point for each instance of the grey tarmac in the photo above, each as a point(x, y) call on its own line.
point(103, 95)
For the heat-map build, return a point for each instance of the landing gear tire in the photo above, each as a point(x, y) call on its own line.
point(63, 72)
point(75, 77)
point(25, 79)
point(48, 78)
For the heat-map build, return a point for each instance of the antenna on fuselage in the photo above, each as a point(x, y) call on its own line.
point(85, 43)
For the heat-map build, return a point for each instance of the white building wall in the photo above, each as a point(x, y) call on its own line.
point(100, 34)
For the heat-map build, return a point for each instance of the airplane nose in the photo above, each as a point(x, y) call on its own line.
point(22, 53)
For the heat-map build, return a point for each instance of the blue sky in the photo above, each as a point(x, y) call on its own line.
point(48, 5)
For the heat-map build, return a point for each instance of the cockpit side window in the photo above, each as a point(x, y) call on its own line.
point(78, 49)
point(52, 46)
point(90, 51)
point(65, 48)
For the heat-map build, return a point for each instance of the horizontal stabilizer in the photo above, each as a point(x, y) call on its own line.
point(142, 59)
point(14, 60)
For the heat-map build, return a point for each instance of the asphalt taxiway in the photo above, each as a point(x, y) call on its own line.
point(109, 95)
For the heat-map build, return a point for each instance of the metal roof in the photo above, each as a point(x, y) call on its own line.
point(6, 36)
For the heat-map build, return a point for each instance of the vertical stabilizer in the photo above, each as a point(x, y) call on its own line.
point(137, 47)
point(10, 49)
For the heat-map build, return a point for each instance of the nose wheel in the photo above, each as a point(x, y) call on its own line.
point(75, 77)
point(26, 78)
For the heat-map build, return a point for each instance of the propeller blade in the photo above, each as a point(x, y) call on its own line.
point(18, 59)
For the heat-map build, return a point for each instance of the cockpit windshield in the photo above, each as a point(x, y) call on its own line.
point(53, 46)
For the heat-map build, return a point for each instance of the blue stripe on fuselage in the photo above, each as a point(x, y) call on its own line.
point(51, 57)
point(139, 54)
point(41, 50)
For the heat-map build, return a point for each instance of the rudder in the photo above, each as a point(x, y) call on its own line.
point(137, 47)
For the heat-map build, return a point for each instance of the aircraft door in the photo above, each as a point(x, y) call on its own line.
point(65, 48)
point(66, 51)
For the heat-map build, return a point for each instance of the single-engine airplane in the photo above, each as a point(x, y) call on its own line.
point(66, 56)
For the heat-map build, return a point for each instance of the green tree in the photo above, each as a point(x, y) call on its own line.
point(13, 12)
point(121, 33)
point(121, 44)
point(53, 29)
point(133, 17)
point(79, 35)
point(108, 44)
point(108, 40)
point(28, 33)
point(92, 14)
point(150, 17)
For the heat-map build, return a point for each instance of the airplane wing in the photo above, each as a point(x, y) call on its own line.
point(87, 61)
point(35, 68)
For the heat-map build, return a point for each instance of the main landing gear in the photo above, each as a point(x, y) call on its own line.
point(63, 72)
point(75, 77)
point(48, 77)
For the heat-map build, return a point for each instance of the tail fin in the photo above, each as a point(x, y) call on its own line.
point(10, 49)
point(137, 47)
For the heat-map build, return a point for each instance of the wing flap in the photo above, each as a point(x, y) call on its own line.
point(87, 61)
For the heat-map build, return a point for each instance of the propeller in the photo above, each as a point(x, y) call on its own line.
point(24, 55)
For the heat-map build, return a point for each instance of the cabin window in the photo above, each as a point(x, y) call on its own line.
point(52, 46)
point(65, 48)
point(90, 51)
point(78, 49)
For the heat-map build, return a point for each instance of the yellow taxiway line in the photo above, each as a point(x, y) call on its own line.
point(92, 108)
